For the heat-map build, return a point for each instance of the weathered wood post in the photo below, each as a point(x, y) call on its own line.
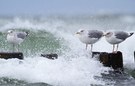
point(114, 60)
point(10, 55)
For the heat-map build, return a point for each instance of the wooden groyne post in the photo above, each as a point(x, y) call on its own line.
point(51, 56)
point(114, 60)
point(11, 55)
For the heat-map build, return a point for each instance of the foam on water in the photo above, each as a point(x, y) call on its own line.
point(78, 71)
point(74, 67)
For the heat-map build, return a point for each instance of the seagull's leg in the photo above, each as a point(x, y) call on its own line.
point(86, 46)
point(18, 47)
point(113, 47)
point(91, 47)
point(13, 47)
point(117, 47)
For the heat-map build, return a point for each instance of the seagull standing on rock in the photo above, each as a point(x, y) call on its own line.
point(89, 36)
point(117, 37)
point(16, 38)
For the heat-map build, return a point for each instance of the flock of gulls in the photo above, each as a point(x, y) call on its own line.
point(88, 37)
point(92, 36)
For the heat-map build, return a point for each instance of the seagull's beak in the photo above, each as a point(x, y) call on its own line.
point(77, 32)
point(104, 34)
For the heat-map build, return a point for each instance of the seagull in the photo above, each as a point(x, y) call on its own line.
point(117, 37)
point(89, 36)
point(16, 38)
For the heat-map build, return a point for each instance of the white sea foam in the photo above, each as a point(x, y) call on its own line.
point(76, 72)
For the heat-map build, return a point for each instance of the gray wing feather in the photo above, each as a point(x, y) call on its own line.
point(121, 35)
point(95, 34)
point(21, 35)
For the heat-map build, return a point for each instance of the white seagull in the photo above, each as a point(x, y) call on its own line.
point(16, 38)
point(117, 37)
point(89, 36)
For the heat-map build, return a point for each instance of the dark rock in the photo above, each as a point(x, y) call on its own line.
point(50, 56)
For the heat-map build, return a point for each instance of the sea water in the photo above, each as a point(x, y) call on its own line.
point(74, 66)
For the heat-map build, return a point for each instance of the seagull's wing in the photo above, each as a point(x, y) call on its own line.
point(21, 35)
point(95, 34)
point(121, 35)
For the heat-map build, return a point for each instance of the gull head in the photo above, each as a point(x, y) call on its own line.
point(10, 31)
point(80, 32)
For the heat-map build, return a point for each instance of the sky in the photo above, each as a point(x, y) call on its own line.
point(65, 7)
